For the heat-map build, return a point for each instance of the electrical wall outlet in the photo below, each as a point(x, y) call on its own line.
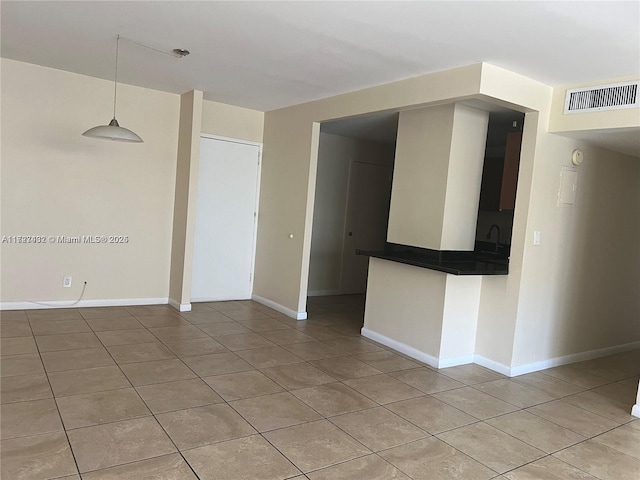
point(66, 283)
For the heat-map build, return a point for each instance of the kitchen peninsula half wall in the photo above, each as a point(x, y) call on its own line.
point(412, 305)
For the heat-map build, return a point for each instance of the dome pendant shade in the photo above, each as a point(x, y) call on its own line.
point(113, 132)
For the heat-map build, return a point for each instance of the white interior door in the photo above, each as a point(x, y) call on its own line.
point(226, 215)
point(366, 222)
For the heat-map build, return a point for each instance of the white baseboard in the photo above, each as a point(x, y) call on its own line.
point(573, 358)
point(455, 361)
point(400, 347)
point(492, 364)
point(415, 353)
point(635, 410)
point(181, 307)
point(109, 302)
point(280, 308)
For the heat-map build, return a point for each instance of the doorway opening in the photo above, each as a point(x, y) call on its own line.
point(499, 182)
point(353, 193)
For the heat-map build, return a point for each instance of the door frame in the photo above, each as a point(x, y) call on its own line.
point(256, 208)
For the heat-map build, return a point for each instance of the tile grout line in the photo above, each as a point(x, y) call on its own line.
point(231, 406)
point(377, 404)
point(152, 414)
point(53, 395)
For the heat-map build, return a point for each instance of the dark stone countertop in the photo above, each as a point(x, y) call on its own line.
point(449, 261)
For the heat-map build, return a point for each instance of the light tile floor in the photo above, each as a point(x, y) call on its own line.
point(234, 390)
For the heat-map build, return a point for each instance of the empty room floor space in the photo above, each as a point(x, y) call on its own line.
point(235, 390)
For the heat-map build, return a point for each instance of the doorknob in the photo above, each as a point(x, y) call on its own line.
point(351, 234)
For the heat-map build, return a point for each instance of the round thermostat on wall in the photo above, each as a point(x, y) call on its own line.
point(577, 156)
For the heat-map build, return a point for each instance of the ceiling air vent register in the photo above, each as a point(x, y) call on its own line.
point(615, 96)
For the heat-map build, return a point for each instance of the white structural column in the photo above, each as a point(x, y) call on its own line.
point(431, 315)
point(184, 213)
point(437, 177)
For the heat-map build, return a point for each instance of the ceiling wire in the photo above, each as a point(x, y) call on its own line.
point(115, 83)
point(173, 55)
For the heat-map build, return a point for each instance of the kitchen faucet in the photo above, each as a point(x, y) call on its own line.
point(491, 231)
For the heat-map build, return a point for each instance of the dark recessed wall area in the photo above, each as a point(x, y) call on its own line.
point(499, 177)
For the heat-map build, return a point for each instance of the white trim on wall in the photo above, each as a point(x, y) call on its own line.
point(552, 362)
point(280, 308)
point(635, 411)
point(415, 353)
point(497, 366)
point(492, 365)
point(109, 302)
point(234, 140)
point(573, 358)
point(455, 361)
point(400, 347)
point(181, 307)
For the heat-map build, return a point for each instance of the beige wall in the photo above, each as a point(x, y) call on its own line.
point(499, 298)
point(560, 298)
point(580, 286)
point(335, 155)
point(406, 304)
point(576, 292)
point(186, 195)
point(289, 172)
point(285, 181)
point(231, 121)
point(510, 307)
point(57, 182)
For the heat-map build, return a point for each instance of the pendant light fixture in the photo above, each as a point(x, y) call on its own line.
point(113, 131)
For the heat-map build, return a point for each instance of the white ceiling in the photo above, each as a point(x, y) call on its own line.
point(267, 55)
point(376, 127)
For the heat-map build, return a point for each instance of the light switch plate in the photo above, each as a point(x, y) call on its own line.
point(536, 238)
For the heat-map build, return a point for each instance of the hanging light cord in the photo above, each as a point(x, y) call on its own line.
point(115, 85)
point(150, 48)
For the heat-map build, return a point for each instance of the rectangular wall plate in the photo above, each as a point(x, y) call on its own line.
point(568, 186)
